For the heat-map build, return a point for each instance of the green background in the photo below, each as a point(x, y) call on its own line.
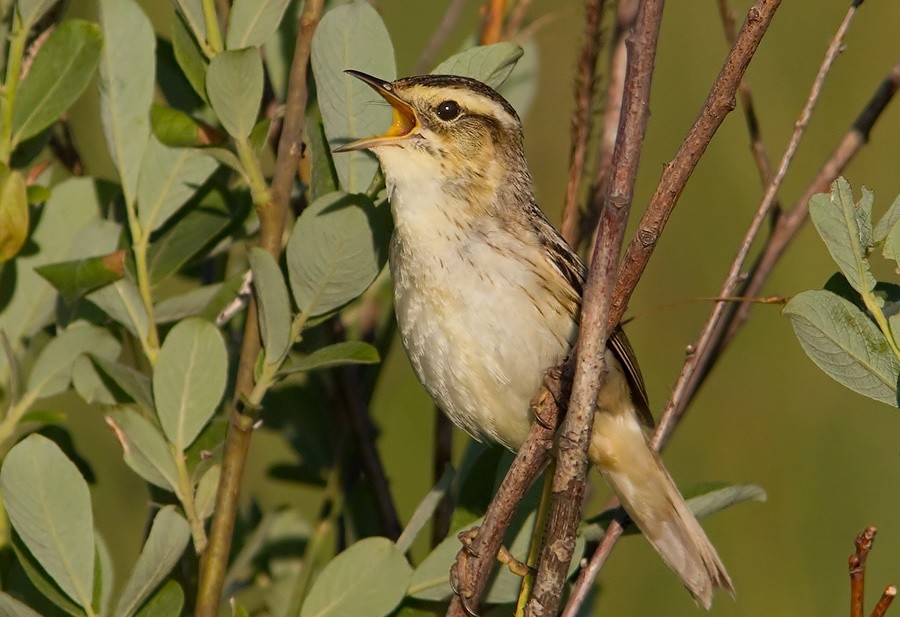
point(828, 458)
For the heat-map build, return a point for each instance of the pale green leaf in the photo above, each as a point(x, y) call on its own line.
point(144, 448)
point(122, 302)
point(168, 178)
point(234, 83)
point(104, 575)
point(274, 304)
point(490, 64)
point(166, 602)
point(42, 581)
point(189, 379)
point(52, 371)
point(845, 344)
point(324, 177)
point(49, 506)
point(59, 74)
point(887, 222)
point(837, 220)
point(13, 214)
point(352, 36)
point(10, 607)
point(192, 12)
point(88, 382)
point(337, 247)
point(346, 352)
point(892, 245)
point(251, 22)
point(189, 56)
point(189, 304)
point(32, 10)
point(521, 86)
point(369, 578)
point(127, 75)
point(131, 381)
point(425, 510)
point(168, 537)
point(205, 497)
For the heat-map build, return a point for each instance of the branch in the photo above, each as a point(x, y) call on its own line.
point(240, 427)
point(572, 463)
point(707, 348)
point(492, 22)
point(448, 23)
point(581, 116)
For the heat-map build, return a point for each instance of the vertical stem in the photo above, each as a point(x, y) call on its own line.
point(13, 69)
point(213, 32)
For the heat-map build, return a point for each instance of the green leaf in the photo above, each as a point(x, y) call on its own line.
point(168, 537)
point(145, 449)
point(52, 371)
point(324, 178)
point(251, 22)
point(346, 352)
point(127, 74)
point(90, 384)
point(369, 578)
point(491, 64)
point(337, 247)
point(190, 304)
point(43, 417)
point(41, 580)
point(104, 575)
point(132, 382)
point(837, 220)
point(59, 74)
point(50, 508)
point(122, 302)
point(177, 129)
point(13, 214)
point(234, 83)
point(892, 245)
point(10, 607)
point(845, 344)
point(32, 10)
point(425, 510)
point(521, 85)
point(167, 601)
point(189, 56)
point(205, 498)
point(74, 279)
point(37, 194)
point(189, 379)
point(352, 36)
point(887, 222)
point(169, 177)
point(274, 304)
point(192, 13)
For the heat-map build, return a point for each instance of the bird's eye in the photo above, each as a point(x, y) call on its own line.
point(447, 110)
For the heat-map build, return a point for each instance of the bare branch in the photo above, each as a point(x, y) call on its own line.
point(857, 566)
point(492, 15)
point(887, 597)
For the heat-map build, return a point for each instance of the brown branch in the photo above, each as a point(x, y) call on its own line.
point(626, 13)
point(760, 156)
point(443, 452)
point(887, 597)
point(788, 225)
point(448, 23)
point(492, 22)
point(516, 19)
point(707, 348)
point(857, 566)
point(474, 561)
point(240, 427)
point(572, 463)
point(581, 116)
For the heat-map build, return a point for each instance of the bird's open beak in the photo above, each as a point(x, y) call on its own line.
point(404, 122)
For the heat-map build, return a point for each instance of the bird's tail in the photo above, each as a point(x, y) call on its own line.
point(620, 451)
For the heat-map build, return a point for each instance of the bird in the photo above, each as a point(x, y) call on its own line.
point(488, 294)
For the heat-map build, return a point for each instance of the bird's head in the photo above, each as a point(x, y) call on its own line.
point(456, 130)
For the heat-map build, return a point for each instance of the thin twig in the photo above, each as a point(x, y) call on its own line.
point(241, 421)
point(492, 15)
point(448, 24)
point(857, 567)
point(760, 156)
point(585, 83)
point(572, 463)
point(887, 597)
point(788, 225)
point(516, 19)
point(706, 347)
point(443, 452)
point(718, 104)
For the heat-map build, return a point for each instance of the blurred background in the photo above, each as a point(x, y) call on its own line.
point(829, 459)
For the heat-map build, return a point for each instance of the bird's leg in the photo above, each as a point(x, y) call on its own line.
point(556, 388)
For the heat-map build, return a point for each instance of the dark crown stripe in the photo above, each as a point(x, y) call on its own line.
point(461, 83)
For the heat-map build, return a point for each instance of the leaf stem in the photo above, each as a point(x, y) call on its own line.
point(253, 171)
point(213, 33)
point(141, 245)
point(13, 71)
point(186, 495)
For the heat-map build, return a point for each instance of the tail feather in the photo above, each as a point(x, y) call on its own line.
point(620, 451)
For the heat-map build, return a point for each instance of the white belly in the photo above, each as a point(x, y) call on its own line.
point(476, 338)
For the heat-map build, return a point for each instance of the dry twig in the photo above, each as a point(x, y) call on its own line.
point(492, 15)
point(857, 566)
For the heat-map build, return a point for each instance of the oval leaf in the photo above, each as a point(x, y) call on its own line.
point(168, 601)
point(177, 129)
point(234, 83)
point(844, 343)
point(13, 214)
point(10, 607)
point(59, 74)
point(491, 64)
point(169, 177)
point(50, 508)
point(127, 74)
point(346, 352)
point(52, 371)
point(337, 247)
point(274, 304)
point(73, 279)
point(369, 578)
point(251, 22)
point(165, 543)
point(352, 37)
point(188, 55)
point(144, 449)
point(189, 379)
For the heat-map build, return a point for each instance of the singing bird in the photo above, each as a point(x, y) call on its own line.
point(487, 295)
